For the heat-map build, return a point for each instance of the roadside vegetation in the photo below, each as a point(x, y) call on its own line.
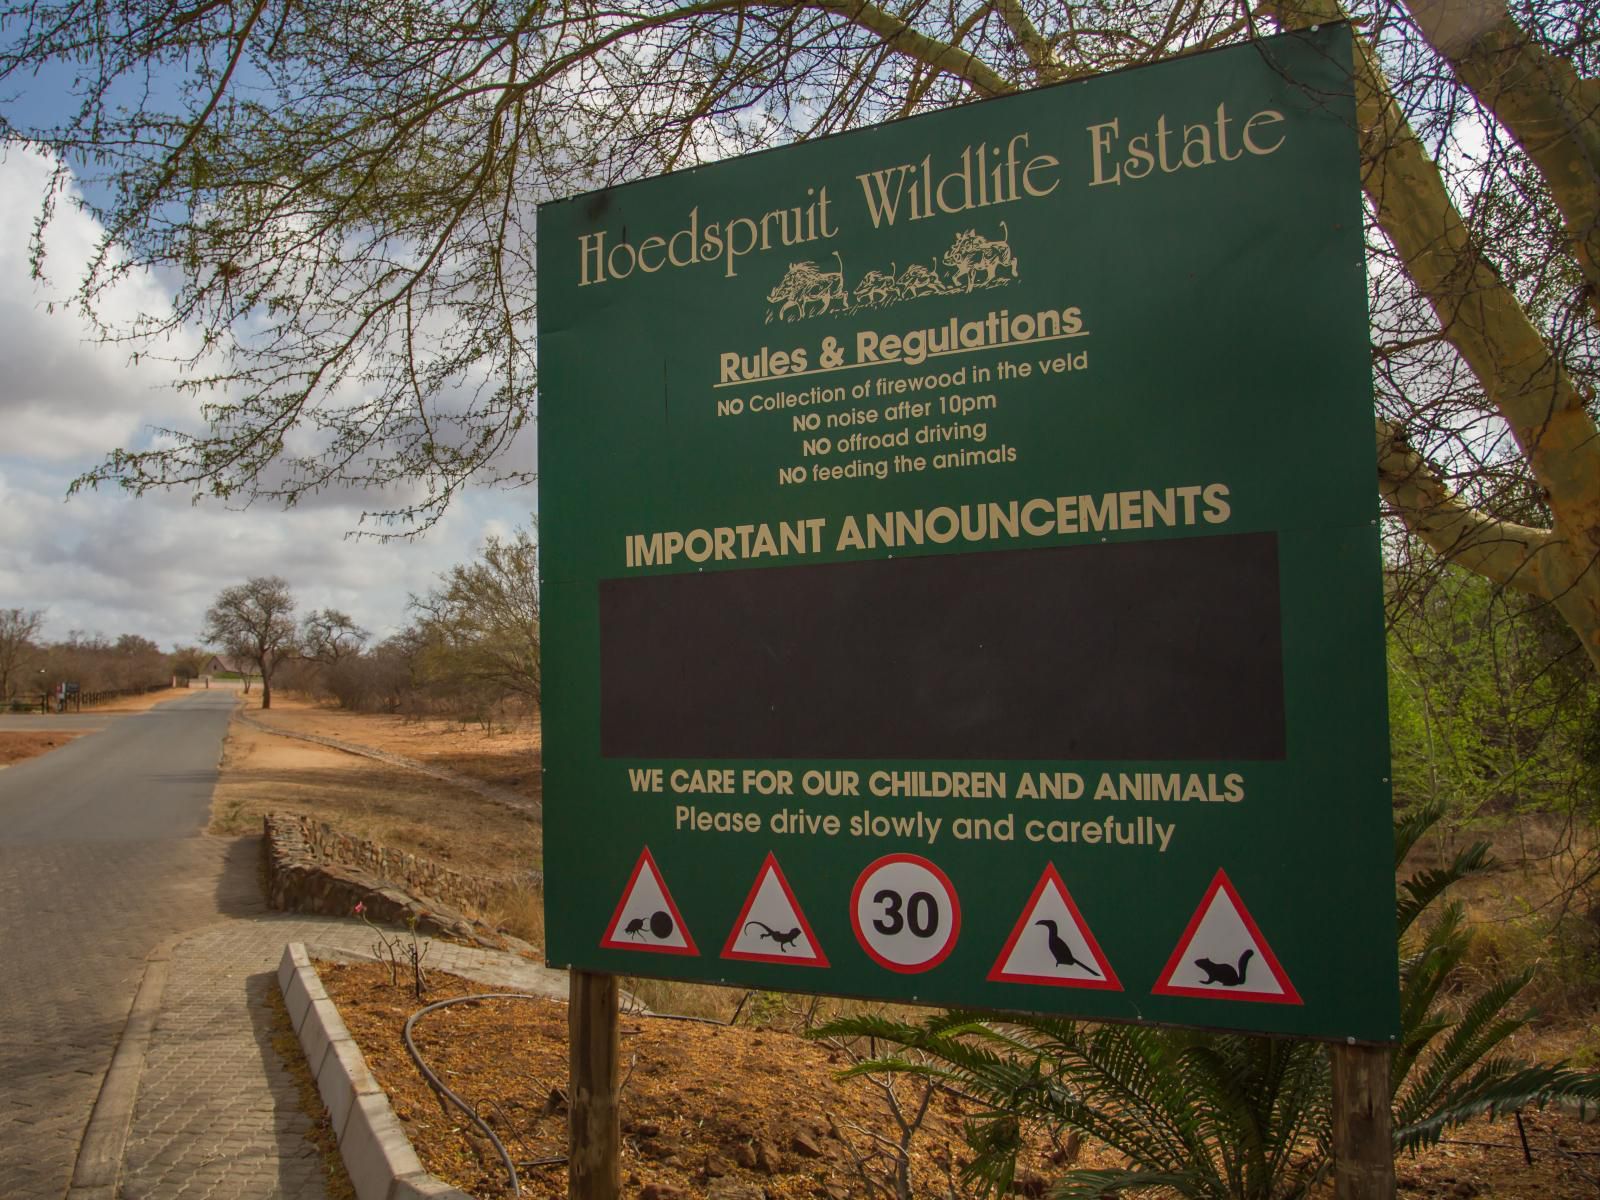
point(469, 654)
point(31, 666)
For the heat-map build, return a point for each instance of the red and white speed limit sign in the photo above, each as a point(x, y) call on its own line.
point(905, 913)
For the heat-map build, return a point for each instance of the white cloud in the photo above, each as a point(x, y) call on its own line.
point(107, 563)
point(64, 396)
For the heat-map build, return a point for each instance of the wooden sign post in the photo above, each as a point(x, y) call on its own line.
point(594, 1129)
point(1363, 1146)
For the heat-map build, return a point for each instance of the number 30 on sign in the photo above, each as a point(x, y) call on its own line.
point(905, 913)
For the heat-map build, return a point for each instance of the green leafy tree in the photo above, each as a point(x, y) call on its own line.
point(480, 626)
point(346, 194)
point(1230, 1116)
point(1491, 704)
point(1494, 715)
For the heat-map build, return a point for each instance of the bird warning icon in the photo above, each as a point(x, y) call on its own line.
point(1222, 954)
point(1051, 943)
point(771, 927)
point(646, 918)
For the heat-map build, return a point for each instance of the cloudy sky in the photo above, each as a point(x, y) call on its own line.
point(106, 563)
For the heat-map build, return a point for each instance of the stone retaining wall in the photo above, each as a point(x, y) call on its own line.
point(414, 873)
point(312, 868)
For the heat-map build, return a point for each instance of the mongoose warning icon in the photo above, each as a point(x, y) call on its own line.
point(1051, 943)
point(1222, 954)
point(646, 918)
point(771, 927)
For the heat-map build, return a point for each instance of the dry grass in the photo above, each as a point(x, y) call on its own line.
point(755, 1111)
point(518, 908)
point(706, 1107)
point(786, 1012)
point(1528, 912)
point(17, 746)
point(264, 773)
point(686, 999)
point(508, 757)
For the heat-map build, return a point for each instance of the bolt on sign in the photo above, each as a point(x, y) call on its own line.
point(960, 565)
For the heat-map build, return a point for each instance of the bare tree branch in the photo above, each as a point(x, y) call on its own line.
point(899, 34)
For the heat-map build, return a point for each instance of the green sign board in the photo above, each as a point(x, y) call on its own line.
point(961, 573)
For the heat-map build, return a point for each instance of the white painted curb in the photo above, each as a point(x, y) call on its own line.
point(377, 1154)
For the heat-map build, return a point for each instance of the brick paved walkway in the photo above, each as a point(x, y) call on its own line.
point(217, 1115)
point(80, 920)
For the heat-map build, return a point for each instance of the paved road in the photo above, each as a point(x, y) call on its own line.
point(102, 858)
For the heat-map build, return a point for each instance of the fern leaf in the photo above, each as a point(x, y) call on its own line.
point(1409, 828)
point(1497, 1094)
point(1428, 884)
point(1092, 1185)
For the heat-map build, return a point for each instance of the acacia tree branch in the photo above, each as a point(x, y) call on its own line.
point(898, 33)
point(1483, 319)
point(1540, 101)
point(1041, 55)
point(199, 123)
point(923, 76)
point(378, 151)
point(1502, 551)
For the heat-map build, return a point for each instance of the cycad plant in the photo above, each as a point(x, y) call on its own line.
point(1450, 1065)
point(1230, 1115)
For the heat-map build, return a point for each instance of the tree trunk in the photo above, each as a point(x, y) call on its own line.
point(266, 685)
point(1486, 324)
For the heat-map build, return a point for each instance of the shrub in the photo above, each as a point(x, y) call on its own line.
point(1231, 1115)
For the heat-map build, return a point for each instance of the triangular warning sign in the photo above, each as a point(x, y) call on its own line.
point(1223, 956)
point(1051, 943)
point(646, 918)
point(771, 927)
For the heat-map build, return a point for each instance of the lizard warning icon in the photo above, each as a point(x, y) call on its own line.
point(1051, 943)
point(646, 918)
point(771, 927)
point(1222, 954)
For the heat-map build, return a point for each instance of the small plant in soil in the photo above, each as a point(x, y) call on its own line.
point(396, 951)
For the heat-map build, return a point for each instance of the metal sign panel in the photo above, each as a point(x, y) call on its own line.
point(975, 515)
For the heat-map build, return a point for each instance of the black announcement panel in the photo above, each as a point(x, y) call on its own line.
point(1138, 650)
